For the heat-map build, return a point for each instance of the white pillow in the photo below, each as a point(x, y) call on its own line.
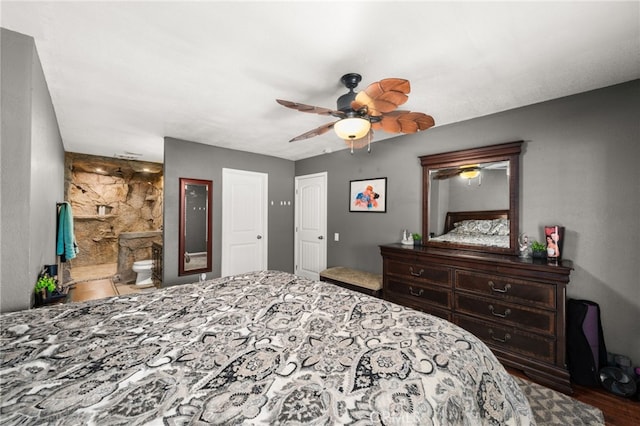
point(499, 227)
point(473, 226)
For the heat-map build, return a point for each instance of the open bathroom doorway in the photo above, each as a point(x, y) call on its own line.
point(111, 197)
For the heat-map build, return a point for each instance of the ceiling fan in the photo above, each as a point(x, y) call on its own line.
point(469, 171)
point(360, 113)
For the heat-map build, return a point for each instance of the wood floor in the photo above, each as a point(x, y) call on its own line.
point(617, 411)
point(90, 290)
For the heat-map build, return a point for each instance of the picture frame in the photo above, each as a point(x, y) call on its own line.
point(368, 195)
point(554, 240)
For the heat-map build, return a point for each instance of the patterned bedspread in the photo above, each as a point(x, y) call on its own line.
point(483, 232)
point(474, 239)
point(261, 348)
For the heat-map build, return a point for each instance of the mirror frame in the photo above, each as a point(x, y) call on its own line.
point(502, 152)
point(183, 226)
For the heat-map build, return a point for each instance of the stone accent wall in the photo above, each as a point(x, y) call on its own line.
point(131, 195)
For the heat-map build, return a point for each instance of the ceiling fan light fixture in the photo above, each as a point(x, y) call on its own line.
point(352, 128)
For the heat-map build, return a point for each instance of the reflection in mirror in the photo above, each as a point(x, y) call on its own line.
point(195, 226)
point(476, 189)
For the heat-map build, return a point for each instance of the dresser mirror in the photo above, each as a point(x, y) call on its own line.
point(470, 199)
point(194, 245)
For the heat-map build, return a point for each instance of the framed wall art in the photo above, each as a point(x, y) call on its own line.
point(368, 195)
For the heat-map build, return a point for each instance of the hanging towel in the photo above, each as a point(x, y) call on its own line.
point(66, 247)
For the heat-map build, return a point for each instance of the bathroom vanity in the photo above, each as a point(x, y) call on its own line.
point(156, 255)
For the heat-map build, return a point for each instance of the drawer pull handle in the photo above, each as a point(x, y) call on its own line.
point(499, 290)
point(416, 293)
point(416, 274)
point(499, 315)
point(505, 339)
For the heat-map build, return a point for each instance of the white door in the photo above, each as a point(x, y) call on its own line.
point(244, 221)
point(311, 225)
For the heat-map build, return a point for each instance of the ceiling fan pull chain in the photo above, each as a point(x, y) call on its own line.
point(352, 147)
point(369, 144)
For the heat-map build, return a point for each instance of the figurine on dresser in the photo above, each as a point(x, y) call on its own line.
point(524, 246)
point(407, 239)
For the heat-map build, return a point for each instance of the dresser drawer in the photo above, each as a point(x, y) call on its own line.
point(433, 274)
point(511, 289)
point(509, 338)
point(510, 314)
point(419, 305)
point(419, 293)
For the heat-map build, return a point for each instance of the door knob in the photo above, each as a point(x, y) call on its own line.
point(259, 237)
point(320, 237)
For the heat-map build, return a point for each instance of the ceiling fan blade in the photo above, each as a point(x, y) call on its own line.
point(315, 132)
point(382, 96)
point(395, 84)
point(415, 121)
point(311, 108)
point(389, 123)
point(404, 122)
point(446, 173)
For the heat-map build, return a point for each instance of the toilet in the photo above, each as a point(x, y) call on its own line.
point(143, 268)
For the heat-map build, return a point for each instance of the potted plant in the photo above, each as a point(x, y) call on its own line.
point(46, 289)
point(539, 250)
point(46, 283)
point(417, 239)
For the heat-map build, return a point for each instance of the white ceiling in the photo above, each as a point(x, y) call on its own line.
point(123, 75)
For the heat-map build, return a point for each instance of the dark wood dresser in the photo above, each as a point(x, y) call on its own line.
point(516, 306)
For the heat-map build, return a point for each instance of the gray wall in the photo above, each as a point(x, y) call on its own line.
point(32, 177)
point(579, 169)
point(198, 161)
point(491, 194)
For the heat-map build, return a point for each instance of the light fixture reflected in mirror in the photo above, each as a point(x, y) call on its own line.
point(470, 174)
point(352, 128)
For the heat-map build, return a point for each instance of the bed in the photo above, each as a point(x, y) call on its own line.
point(483, 228)
point(262, 348)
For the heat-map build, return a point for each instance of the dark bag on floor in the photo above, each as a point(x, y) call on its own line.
point(586, 351)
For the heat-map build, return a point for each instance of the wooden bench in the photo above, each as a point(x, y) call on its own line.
point(353, 279)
